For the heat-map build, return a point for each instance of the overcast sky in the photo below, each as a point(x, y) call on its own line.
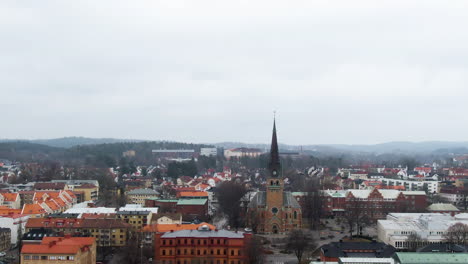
point(356, 72)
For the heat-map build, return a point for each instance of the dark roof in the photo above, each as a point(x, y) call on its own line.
point(351, 249)
point(274, 150)
point(260, 200)
point(134, 212)
point(38, 234)
point(63, 215)
point(447, 248)
point(49, 186)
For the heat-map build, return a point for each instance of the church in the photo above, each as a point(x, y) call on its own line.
point(274, 211)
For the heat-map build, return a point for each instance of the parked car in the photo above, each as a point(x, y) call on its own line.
point(2, 254)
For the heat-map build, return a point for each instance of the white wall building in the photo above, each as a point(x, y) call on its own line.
point(16, 223)
point(430, 226)
point(208, 152)
point(432, 186)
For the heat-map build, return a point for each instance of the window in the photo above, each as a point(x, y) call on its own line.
point(164, 252)
point(27, 257)
point(35, 257)
point(71, 258)
point(43, 257)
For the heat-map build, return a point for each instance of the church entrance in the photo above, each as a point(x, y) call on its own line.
point(275, 229)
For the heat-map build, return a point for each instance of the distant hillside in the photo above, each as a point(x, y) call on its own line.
point(68, 142)
point(92, 154)
point(27, 151)
point(390, 147)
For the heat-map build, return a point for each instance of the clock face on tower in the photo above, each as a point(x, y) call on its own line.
point(274, 173)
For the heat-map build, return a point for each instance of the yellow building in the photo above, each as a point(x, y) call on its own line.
point(107, 232)
point(91, 191)
point(137, 219)
point(73, 250)
point(138, 196)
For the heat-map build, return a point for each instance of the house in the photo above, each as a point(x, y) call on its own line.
point(73, 250)
point(11, 200)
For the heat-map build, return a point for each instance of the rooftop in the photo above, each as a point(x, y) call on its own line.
point(431, 258)
point(192, 201)
point(59, 245)
point(442, 207)
point(204, 234)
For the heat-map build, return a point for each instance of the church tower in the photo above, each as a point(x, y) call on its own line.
point(274, 188)
point(274, 211)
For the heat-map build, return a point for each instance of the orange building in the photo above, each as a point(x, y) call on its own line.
point(150, 231)
point(201, 246)
point(73, 250)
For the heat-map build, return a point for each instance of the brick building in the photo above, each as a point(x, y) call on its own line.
point(375, 203)
point(202, 246)
point(274, 211)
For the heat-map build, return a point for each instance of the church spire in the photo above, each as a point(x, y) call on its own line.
point(274, 151)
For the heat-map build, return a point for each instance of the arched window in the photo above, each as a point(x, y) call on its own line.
point(277, 183)
point(271, 183)
point(295, 214)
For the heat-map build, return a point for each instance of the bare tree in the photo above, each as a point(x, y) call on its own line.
point(254, 250)
point(356, 215)
point(457, 234)
point(415, 241)
point(436, 198)
point(313, 204)
point(300, 242)
point(229, 196)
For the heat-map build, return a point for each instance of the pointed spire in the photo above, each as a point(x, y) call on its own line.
point(274, 150)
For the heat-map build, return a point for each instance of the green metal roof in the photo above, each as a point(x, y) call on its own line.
point(431, 258)
point(192, 201)
point(299, 193)
point(166, 201)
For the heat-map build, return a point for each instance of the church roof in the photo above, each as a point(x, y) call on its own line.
point(260, 200)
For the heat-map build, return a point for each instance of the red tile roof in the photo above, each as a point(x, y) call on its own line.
point(59, 245)
point(10, 197)
point(162, 228)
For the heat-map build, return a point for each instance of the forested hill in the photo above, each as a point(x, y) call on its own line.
point(97, 155)
point(68, 142)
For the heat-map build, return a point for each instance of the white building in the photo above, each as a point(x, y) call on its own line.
point(90, 210)
point(138, 207)
point(432, 186)
point(242, 152)
point(208, 152)
point(430, 226)
point(16, 223)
